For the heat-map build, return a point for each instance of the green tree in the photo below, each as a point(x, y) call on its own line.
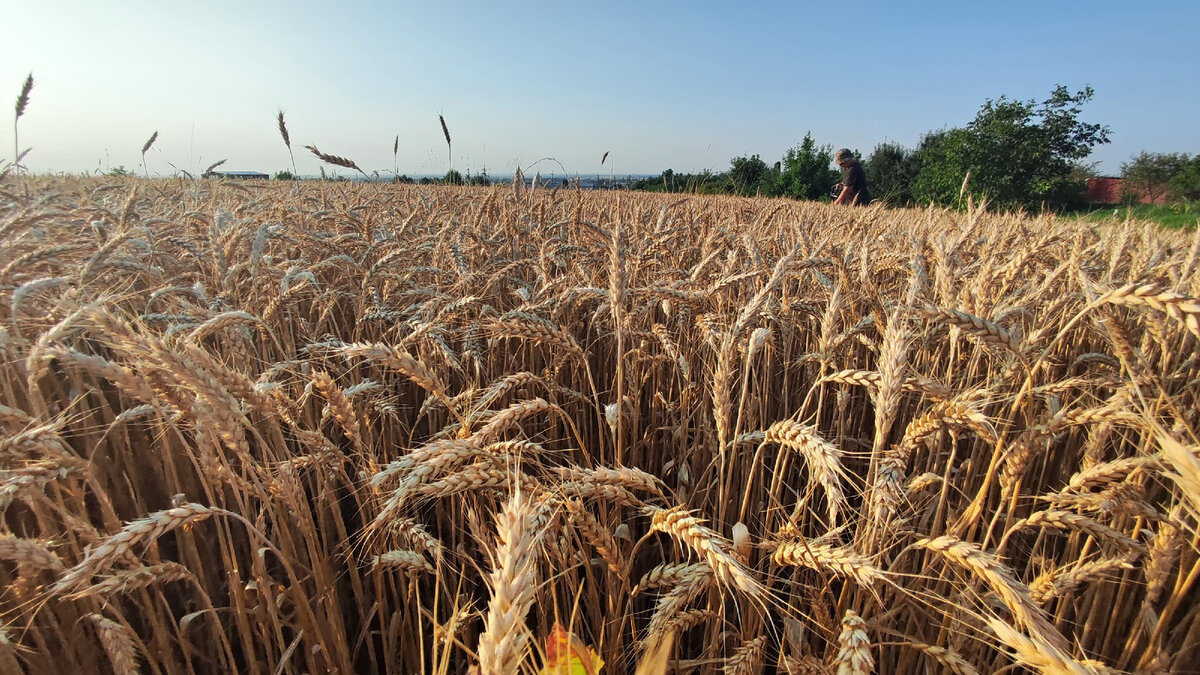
point(708, 183)
point(890, 170)
point(284, 175)
point(1018, 153)
point(1149, 174)
point(941, 166)
point(747, 174)
point(668, 180)
point(453, 177)
point(805, 172)
point(1185, 184)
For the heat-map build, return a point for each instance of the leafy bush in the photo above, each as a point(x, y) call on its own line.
point(805, 172)
point(748, 174)
point(941, 164)
point(1017, 153)
point(890, 171)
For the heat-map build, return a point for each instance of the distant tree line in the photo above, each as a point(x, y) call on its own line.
point(803, 173)
point(1014, 154)
point(452, 177)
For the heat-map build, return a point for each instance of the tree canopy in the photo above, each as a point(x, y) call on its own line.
point(1014, 153)
point(805, 172)
point(1149, 174)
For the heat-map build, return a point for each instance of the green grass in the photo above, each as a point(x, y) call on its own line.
point(1180, 216)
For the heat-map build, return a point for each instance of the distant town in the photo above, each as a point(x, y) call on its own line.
point(593, 182)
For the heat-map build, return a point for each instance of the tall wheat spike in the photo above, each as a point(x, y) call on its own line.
point(146, 148)
point(22, 103)
point(334, 159)
point(503, 643)
point(287, 141)
point(446, 133)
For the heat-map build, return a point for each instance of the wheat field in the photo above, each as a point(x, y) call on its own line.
point(363, 428)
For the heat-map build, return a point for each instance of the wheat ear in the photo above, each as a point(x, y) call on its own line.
point(513, 583)
point(687, 529)
point(333, 159)
point(118, 644)
point(1037, 653)
point(145, 530)
point(854, 647)
point(747, 658)
point(824, 460)
point(1002, 582)
point(287, 140)
point(842, 562)
point(22, 103)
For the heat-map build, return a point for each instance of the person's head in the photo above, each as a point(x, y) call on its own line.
point(844, 157)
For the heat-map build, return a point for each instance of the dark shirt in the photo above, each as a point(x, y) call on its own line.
point(855, 178)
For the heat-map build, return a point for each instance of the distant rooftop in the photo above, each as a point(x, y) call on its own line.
point(239, 174)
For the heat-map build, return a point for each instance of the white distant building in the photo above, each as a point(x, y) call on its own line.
point(240, 175)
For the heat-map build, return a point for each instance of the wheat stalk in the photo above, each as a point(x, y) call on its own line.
point(287, 140)
point(1059, 583)
point(146, 148)
point(952, 660)
point(137, 578)
point(22, 103)
point(446, 133)
point(503, 642)
point(670, 615)
point(747, 658)
point(1180, 307)
point(333, 159)
point(667, 574)
point(1065, 520)
point(409, 366)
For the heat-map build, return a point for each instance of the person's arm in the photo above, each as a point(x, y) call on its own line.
point(851, 187)
point(844, 196)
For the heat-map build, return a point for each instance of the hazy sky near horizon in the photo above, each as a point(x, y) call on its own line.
point(681, 85)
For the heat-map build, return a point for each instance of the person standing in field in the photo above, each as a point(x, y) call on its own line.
point(854, 180)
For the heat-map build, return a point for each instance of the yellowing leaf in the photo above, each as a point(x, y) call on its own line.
point(566, 654)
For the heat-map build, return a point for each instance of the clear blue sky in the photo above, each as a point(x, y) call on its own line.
point(682, 85)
